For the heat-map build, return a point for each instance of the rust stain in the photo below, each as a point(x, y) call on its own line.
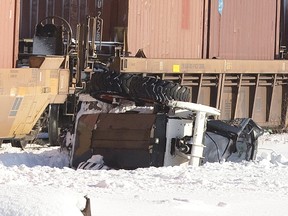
point(185, 14)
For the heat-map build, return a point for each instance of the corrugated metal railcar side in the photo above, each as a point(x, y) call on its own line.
point(114, 14)
point(9, 22)
point(166, 28)
point(245, 30)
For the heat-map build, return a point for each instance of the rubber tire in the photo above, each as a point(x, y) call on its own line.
point(53, 128)
point(135, 87)
point(151, 89)
point(106, 85)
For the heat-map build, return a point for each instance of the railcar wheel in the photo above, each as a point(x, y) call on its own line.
point(19, 143)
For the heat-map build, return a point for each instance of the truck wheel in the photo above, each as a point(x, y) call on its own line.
point(151, 89)
point(53, 131)
point(107, 85)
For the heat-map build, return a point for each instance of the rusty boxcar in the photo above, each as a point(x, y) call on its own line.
point(9, 23)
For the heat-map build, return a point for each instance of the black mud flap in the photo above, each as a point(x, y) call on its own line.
point(234, 140)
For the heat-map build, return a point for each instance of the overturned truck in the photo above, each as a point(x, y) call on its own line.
point(182, 133)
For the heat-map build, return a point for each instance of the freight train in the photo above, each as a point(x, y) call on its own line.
point(231, 58)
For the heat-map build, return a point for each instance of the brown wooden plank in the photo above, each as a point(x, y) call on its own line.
point(126, 121)
point(88, 120)
point(121, 134)
point(120, 144)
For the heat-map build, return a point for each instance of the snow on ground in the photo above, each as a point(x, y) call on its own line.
point(39, 182)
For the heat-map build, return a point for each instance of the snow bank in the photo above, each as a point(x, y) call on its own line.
point(34, 155)
point(35, 182)
point(38, 200)
point(273, 148)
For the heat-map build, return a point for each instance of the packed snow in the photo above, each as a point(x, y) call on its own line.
point(38, 181)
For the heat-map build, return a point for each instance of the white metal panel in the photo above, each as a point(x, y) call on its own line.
point(176, 128)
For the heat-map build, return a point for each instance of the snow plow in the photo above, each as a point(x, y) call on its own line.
point(45, 96)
